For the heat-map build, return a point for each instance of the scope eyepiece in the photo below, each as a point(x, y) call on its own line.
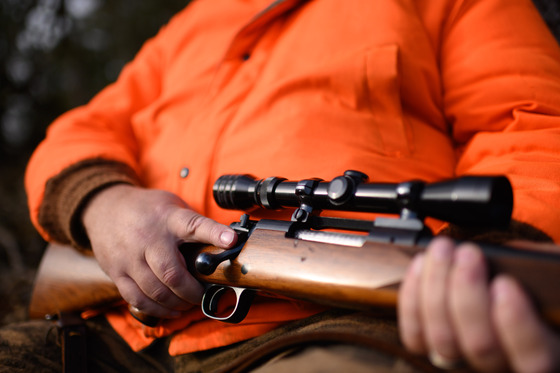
point(241, 192)
point(235, 192)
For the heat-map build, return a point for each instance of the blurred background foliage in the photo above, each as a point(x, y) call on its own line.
point(55, 55)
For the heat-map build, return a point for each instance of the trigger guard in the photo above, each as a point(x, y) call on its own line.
point(243, 300)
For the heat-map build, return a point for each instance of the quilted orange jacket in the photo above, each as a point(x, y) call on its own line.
point(412, 89)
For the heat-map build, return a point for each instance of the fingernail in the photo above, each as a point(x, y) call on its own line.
point(442, 362)
point(227, 237)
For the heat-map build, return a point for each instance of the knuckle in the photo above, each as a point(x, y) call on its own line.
point(136, 300)
point(192, 223)
point(127, 291)
point(200, 228)
point(172, 278)
point(160, 294)
point(137, 303)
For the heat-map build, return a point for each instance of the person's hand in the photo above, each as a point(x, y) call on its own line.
point(135, 234)
point(449, 311)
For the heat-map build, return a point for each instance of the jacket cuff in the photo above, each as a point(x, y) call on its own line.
point(67, 193)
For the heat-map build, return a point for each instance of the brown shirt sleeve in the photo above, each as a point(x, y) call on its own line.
point(67, 193)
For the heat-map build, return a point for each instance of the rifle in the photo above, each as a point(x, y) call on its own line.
point(349, 263)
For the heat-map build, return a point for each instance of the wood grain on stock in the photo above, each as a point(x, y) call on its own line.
point(355, 277)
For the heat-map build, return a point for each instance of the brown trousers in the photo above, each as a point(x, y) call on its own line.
point(335, 341)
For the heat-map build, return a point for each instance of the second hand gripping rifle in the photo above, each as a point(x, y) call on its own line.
point(309, 258)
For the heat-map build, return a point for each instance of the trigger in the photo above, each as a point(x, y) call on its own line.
point(213, 295)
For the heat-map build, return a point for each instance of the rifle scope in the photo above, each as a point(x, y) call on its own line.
point(482, 201)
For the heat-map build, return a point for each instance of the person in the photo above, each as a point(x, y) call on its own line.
point(399, 90)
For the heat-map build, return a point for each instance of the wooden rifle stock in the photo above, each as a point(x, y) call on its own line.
point(344, 276)
point(69, 281)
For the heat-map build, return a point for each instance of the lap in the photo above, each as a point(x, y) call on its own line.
point(323, 343)
point(332, 341)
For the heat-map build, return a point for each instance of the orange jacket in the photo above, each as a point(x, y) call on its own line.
point(414, 89)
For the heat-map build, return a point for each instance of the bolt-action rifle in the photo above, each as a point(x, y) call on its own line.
point(342, 262)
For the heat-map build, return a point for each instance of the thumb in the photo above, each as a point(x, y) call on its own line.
point(193, 227)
